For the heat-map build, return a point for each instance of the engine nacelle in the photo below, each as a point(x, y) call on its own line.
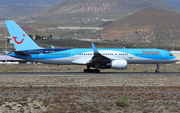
point(117, 64)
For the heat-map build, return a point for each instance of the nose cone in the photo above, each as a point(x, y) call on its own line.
point(175, 59)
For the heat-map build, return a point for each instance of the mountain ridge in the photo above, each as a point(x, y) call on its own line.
point(158, 24)
point(37, 3)
point(19, 11)
point(76, 10)
point(173, 3)
point(106, 5)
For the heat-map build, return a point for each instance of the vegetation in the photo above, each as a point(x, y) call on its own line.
point(29, 86)
point(52, 110)
point(49, 90)
point(123, 101)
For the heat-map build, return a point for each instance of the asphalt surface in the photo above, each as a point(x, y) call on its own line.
point(81, 73)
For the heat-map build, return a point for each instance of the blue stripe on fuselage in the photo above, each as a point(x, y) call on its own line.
point(45, 51)
point(154, 54)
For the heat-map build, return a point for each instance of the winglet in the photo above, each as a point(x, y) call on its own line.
point(94, 48)
point(52, 46)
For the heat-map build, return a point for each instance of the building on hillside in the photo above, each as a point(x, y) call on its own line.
point(10, 40)
point(106, 20)
point(93, 38)
point(78, 28)
point(56, 38)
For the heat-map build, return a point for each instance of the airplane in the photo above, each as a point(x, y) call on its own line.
point(101, 58)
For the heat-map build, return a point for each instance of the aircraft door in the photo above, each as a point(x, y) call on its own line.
point(130, 55)
point(40, 54)
point(72, 55)
point(163, 55)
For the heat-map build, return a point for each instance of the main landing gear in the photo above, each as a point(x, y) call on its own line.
point(91, 71)
point(88, 70)
point(157, 70)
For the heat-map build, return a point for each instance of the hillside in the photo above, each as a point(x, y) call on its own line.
point(116, 9)
point(152, 23)
point(37, 3)
point(10, 8)
point(106, 5)
point(19, 11)
point(174, 3)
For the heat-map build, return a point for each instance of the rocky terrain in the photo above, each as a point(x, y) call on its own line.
point(65, 99)
point(130, 6)
point(52, 89)
point(73, 11)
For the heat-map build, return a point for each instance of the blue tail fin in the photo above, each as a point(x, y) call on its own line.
point(20, 39)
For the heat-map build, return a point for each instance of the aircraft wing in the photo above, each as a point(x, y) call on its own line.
point(98, 57)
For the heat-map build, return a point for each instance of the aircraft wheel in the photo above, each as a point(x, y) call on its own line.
point(85, 70)
point(157, 71)
point(90, 71)
point(97, 71)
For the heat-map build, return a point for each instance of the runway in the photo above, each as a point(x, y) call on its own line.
point(86, 74)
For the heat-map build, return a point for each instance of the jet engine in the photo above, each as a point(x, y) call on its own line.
point(117, 64)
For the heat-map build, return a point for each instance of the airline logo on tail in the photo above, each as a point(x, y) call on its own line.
point(17, 41)
point(20, 39)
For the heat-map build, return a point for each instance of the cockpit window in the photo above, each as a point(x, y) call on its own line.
point(171, 55)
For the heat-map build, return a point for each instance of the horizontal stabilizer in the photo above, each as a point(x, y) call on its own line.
point(22, 53)
point(6, 52)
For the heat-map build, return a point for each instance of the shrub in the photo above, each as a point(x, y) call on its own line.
point(29, 86)
point(123, 101)
point(115, 40)
point(49, 90)
point(51, 110)
point(45, 86)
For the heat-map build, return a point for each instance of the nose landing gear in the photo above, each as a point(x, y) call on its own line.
point(157, 70)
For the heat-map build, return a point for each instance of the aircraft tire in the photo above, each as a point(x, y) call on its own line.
point(85, 71)
point(97, 71)
point(157, 71)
